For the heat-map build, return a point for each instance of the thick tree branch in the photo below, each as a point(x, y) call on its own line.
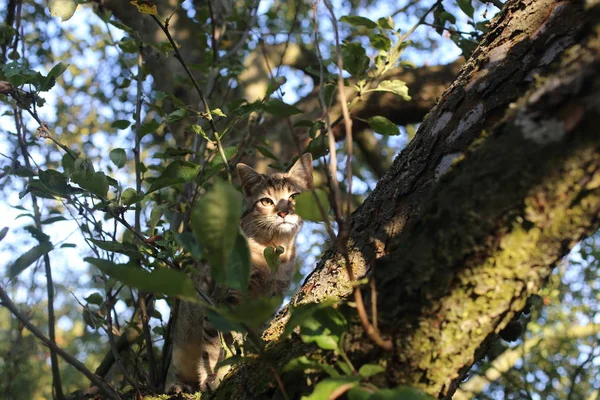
point(458, 249)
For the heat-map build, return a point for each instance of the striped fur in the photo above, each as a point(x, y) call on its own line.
point(269, 221)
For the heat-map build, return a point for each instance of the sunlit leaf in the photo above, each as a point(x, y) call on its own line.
point(368, 370)
point(396, 87)
point(324, 389)
point(145, 7)
point(64, 9)
point(272, 256)
point(130, 196)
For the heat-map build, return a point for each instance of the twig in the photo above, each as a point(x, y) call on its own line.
point(56, 380)
point(148, 338)
point(102, 386)
point(344, 221)
point(208, 115)
point(112, 343)
point(136, 149)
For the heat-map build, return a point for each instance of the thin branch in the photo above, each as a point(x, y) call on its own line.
point(344, 228)
point(56, 380)
point(136, 149)
point(102, 386)
point(207, 111)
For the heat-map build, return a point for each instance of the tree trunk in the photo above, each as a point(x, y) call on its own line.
point(501, 180)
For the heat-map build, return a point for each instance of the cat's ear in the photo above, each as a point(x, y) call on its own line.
point(302, 170)
point(249, 178)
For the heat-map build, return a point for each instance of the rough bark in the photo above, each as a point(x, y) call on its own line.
point(495, 188)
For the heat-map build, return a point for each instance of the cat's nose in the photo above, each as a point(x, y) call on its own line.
point(282, 214)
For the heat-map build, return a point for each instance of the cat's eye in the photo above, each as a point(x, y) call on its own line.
point(265, 201)
point(293, 197)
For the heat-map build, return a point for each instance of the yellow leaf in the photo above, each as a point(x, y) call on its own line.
point(145, 7)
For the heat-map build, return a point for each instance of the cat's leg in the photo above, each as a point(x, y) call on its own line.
point(212, 352)
point(188, 342)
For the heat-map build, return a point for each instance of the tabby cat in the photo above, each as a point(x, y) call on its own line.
point(269, 221)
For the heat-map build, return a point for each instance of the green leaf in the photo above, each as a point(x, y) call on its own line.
point(237, 272)
point(385, 23)
point(56, 182)
point(359, 393)
point(380, 41)
point(272, 257)
point(215, 221)
point(37, 234)
point(368, 370)
point(356, 20)
point(319, 323)
point(155, 215)
point(355, 58)
point(28, 258)
point(266, 152)
point(197, 129)
point(307, 208)
point(189, 244)
point(177, 172)
point(94, 298)
point(148, 127)
point(253, 313)
point(97, 184)
point(3, 233)
point(130, 196)
point(52, 220)
point(216, 164)
point(302, 363)
point(383, 126)
point(50, 80)
point(145, 7)
point(324, 389)
point(176, 115)
point(165, 281)
point(118, 157)
point(281, 109)
point(126, 248)
point(218, 113)
point(396, 87)
point(466, 7)
point(400, 392)
point(68, 245)
point(120, 124)
point(64, 9)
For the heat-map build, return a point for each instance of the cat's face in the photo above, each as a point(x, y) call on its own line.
point(271, 200)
